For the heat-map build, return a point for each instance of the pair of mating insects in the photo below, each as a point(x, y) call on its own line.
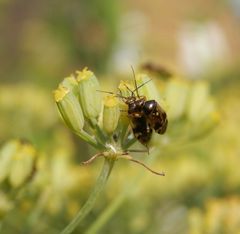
point(145, 115)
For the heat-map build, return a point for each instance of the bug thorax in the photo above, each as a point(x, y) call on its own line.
point(135, 106)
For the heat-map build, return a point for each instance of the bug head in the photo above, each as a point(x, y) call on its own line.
point(130, 100)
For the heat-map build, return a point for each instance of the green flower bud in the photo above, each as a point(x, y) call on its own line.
point(111, 114)
point(22, 165)
point(176, 97)
point(90, 98)
point(123, 88)
point(6, 154)
point(211, 121)
point(149, 89)
point(60, 166)
point(123, 107)
point(200, 104)
point(68, 104)
point(5, 204)
point(70, 83)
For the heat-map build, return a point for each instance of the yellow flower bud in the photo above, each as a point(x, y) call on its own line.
point(123, 88)
point(123, 107)
point(68, 104)
point(60, 166)
point(149, 89)
point(111, 114)
point(22, 165)
point(200, 103)
point(6, 154)
point(176, 97)
point(90, 98)
point(5, 204)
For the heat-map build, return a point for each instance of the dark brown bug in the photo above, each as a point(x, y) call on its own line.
point(157, 69)
point(145, 115)
point(138, 121)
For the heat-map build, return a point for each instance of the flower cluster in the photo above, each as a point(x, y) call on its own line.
point(220, 215)
point(17, 163)
point(102, 122)
point(191, 109)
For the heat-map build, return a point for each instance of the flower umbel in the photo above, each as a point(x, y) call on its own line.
point(103, 123)
point(18, 162)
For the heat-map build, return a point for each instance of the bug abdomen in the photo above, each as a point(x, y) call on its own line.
point(141, 130)
point(156, 116)
point(149, 106)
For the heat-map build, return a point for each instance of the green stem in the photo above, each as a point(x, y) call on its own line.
point(38, 210)
point(107, 214)
point(87, 207)
point(89, 139)
point(124, 132)
point(128, 143)
point(100, 133)
point(129, 189)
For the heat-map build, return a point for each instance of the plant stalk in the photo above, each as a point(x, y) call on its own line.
point(130, 188)
point(87, 207)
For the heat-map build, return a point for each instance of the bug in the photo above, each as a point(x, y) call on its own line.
point(157, 69)
point(145, 115)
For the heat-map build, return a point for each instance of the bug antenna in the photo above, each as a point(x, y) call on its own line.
point(135, 82)
point(105, 92)
point(142, 85)
point(116, 95)
point(129, 89)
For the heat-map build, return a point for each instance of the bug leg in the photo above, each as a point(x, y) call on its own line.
point(92, 159)
point(137, 151)
point(147, 149)
point(130, 158)
point(148, 168)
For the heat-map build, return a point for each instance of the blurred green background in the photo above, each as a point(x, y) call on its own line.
point(42, 42)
